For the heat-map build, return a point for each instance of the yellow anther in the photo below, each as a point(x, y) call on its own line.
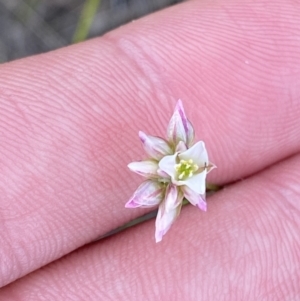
point(181, 176)
point(185, 169)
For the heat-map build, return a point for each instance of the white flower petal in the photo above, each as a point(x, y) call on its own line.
point(180, 147)
point(178, 129)
point(197, 182)
point(162, 174)
point(167, 164)
point(144, 168)
point(164, 222)
point(190, 135)
point(168, 211)
point(148, 194)
point(155, 147)
point(173, 197)
point(197, 153)
point(194, 198)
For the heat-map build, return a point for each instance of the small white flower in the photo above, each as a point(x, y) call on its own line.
point(176, 169)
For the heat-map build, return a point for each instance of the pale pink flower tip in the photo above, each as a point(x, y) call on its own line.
point(175, 169)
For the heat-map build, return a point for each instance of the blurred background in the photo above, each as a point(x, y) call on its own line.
point(29, 27)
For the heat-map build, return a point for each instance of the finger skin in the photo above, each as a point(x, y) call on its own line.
point(246, 247)
point(69, 118)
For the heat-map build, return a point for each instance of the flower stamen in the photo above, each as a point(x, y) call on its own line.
point(185, 169)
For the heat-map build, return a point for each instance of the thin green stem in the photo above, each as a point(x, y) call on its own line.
point(86, 18)
point(212, 187)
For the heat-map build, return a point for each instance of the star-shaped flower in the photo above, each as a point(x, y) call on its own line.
point(176, 169)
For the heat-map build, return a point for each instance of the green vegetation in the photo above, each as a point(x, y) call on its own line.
point(86, 18)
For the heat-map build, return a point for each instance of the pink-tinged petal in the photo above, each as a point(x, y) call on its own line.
point(167, 165)
point(197, 153)
point(168, 211)
point(194, 198)
point(173, 197)
point(158, 235)
point(178, 126)
point(164, 221)
point(155, 147)
point(197, 182)
point(148, 194)
point(202, 205)
point(190, 135)
point(180, 147)
point(162, 174)
point(210, 167)
point(144, 168)
point(132, 204)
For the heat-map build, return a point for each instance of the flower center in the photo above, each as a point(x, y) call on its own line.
point(185, 169)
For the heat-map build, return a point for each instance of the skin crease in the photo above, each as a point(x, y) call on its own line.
point(239, 252)
point(69, 122)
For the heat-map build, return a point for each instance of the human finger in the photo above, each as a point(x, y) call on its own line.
point(247, 246)
point(68, 118)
